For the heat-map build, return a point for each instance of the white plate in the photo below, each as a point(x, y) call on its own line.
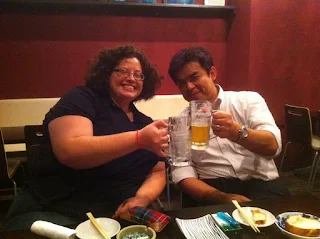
point(86, 229)
point(270, 217)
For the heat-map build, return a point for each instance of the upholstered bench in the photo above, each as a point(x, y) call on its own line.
point(16, 113)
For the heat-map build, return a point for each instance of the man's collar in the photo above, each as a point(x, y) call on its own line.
point(216, 104)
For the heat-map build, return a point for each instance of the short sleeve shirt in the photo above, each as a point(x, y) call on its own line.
point(107, 119)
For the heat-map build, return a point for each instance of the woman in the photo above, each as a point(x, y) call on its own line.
point(105, 155)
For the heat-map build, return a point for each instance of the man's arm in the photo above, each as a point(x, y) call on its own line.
point(264, 136)
point(204, 193)
point(261, 142)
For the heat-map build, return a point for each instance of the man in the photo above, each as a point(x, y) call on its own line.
point(238, 163)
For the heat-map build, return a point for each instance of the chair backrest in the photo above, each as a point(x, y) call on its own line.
point(298, 124)
point(3, 159)
point(33, 134)
point(36, 147)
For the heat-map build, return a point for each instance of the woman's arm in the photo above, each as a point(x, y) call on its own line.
point(148, 192)
point(154, 184)
point(75, 146)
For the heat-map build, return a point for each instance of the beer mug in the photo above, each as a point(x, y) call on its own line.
point(179, 141)
point(200, 123)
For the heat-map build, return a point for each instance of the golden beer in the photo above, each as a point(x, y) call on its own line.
point(200, 136)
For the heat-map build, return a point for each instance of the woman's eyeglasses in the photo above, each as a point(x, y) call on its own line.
point(126, 73)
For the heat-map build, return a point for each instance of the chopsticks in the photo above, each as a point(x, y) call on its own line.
point(245, 216)
point(97, 226)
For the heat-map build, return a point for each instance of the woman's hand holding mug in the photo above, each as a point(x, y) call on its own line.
point(154, 137)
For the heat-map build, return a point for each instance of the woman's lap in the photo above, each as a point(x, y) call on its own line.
point(27, 208)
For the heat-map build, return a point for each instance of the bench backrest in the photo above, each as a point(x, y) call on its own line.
point(16, 113)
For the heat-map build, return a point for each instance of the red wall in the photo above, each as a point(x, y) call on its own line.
point(273, 48)
point(46, 55)
point(288, 62)
point(237, 59)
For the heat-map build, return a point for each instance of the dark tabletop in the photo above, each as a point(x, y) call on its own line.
point(302, 203)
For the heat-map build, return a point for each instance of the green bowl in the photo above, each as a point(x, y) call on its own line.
point(136, 228)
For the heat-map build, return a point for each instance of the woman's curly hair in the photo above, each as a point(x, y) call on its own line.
point(101, 67)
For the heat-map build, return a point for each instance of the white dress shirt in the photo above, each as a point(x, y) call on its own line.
point(227, 159)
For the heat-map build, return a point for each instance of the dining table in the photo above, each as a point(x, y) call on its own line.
point(305, 203)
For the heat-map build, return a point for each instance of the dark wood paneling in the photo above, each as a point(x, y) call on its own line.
point(90, 7)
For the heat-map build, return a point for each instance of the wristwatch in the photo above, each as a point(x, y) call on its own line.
point(243, 132)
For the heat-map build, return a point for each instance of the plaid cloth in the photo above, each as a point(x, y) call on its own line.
point(147, 216)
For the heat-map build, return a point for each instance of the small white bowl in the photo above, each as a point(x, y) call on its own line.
point(136, 228)
point(281, 222)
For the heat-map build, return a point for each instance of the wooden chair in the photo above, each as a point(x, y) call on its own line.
point(33, 136)
point(8, 169)
point(299, 131)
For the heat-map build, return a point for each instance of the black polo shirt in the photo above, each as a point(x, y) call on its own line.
point(123, 176)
